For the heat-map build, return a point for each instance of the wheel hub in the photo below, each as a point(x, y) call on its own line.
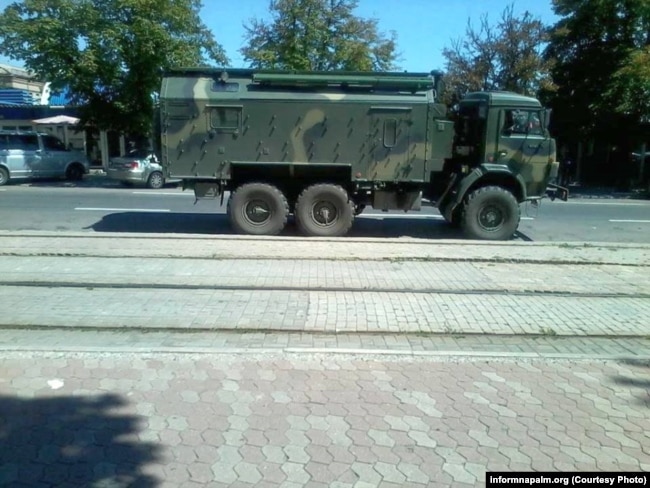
point(257, 212)
point(324, 213)
point(491, 217)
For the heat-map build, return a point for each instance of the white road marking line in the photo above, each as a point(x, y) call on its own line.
point(97, 209)
point(630, 221)
point(622, 204)
point(183, 194)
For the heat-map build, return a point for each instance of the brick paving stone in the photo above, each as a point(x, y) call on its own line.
point(283, 447)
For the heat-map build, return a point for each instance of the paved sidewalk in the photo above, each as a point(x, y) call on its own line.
point(404, 345)
point(199, 420)
point(322, 311)
point(393, 286)
point(37, 243)
point(331, 275)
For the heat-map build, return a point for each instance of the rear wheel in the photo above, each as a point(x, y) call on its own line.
point(75, 172)
point(155, 180)
point(324, 210)
point(4, 176)
point(258, 209)
point(490, 213)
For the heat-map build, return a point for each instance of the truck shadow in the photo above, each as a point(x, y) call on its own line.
point(72, 441)
point(204, 223)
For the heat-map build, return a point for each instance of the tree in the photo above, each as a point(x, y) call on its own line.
point(318, 35)
point(602, 72)
point(507, 55)
point(108, 53)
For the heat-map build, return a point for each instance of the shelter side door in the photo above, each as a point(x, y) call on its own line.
point(226, 136)
point(183, 138)
point(389, 144)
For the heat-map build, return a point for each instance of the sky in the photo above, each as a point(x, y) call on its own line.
point(423, 27)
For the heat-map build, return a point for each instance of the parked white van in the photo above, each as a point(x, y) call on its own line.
point(28, 154)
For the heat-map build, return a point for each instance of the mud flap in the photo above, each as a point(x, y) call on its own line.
point(554, 191)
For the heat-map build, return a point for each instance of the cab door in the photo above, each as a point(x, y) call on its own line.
point(525, 147)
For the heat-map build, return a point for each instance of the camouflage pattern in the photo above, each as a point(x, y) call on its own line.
point(384, 135)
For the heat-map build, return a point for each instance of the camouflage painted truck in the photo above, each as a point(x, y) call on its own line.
point(324, 145)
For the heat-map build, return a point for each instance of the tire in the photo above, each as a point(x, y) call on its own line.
point(155, 181)
point(258, 209)
point(324, 210)
point(4, 176)
point(490, 213)
point(75, 172)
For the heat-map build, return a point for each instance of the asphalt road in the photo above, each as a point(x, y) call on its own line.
point(61, 206)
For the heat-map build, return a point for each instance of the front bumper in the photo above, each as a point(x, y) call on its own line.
point(554, 191)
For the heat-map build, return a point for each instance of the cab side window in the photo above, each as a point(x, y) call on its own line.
point(53, 144)
point(522, 122)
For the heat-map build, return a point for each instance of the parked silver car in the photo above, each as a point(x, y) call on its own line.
point(138, 166)
point(28, 154)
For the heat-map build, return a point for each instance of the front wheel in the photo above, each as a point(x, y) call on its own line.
point(258, 209)
point(490, 213)
point(324, 210)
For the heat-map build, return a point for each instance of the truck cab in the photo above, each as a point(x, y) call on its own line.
point(502, 141)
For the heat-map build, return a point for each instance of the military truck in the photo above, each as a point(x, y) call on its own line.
point(324, 145)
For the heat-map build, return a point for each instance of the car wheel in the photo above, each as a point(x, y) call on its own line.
point(155, 180)
point(324, 210)
point(4, 176)
point(258, 209)
point(75, 172)
point(490, 213)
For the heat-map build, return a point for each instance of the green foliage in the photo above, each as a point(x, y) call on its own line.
point(507, 55)
point(109, 53)
point(602, 66)
point(318, 35)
